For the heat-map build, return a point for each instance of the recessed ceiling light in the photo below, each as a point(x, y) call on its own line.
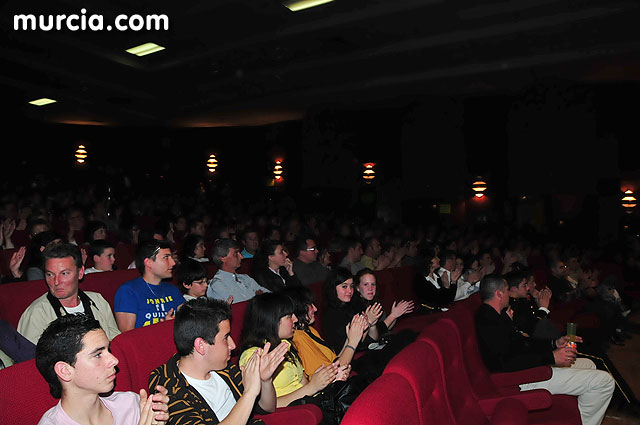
point(296, 5)
point(145, 49)
point(42, 101)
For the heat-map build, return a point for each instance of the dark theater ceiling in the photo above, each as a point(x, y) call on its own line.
point(252, 62)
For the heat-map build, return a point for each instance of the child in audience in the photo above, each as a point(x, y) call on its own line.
point(192, 278)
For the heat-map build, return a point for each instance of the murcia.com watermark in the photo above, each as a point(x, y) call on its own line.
point(94, 22)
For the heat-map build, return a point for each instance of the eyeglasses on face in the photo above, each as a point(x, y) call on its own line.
point(313, 248)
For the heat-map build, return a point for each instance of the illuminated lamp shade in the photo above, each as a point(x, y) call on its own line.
point(212, 163)
point(479, 186)
point(81, 154)
point(629, 201)
point(277, 170)
point(369, 173)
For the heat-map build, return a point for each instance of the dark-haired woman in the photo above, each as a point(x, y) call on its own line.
point(272, 268)
point(366, 286)
point(312, 349)
point(270, 318)
point(193, 248)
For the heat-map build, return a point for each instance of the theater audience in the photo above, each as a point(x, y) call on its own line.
point(103, 254)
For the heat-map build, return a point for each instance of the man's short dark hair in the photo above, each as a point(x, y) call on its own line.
point(189, 271)
point(62, 250)
point(221, 249)
point(98, 247)
point(61, 342)
point(198, 318)
point(489, 285)
point(300, 244)
point(149, 249)
point(515, 278)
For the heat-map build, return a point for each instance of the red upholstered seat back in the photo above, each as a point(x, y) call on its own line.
point(246, 266)
point(404, 277)
point(421, 362)
point(16, 297)
point(418, 363)
point(385, 288)
point(107, 283)
point(389, 400)
point(140, 351)
point(318, 294)
point(125, 254)
point(238, 312)
point(212, 268)
point(24, 394)
point(461, 325)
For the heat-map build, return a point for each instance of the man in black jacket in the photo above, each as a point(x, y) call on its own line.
point(504, 350)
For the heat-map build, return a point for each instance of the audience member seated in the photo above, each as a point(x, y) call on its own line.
point(307, 268)
point(469, 282)
point(63, 270)
point(563, 290)
point(203, 385)
point(103, 254)
point(226, 282)
point(340, 310)
point(147, 299)
point(431, 288)
point(312, 349)
point(366, 288)
point(351, 260)
point(530, 316)
point(73, 357)
point(193, 248)
point(272, 268)
point(250, 241)
point(270, 319)
point(191, 276)
point(504, 349)
point(75, 225)
point(371, 258)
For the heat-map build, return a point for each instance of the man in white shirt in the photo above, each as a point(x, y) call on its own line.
point(204, 386)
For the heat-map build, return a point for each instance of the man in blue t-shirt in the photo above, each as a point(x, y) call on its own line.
point(147, 299)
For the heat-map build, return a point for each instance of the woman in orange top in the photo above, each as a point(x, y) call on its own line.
point(312, 349)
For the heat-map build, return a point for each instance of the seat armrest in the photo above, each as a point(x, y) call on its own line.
point(535, 374)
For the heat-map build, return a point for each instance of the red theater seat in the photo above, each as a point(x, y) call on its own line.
point(24, 394)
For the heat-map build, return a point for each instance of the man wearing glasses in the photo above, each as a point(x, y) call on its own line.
point(307, 268)
point(147, 299)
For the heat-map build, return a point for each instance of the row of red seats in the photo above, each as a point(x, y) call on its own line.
point(441, 379)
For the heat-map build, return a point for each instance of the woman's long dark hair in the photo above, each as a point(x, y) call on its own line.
point(336, 277)
point(189, 246)
point(262, 320)
point(302, 298)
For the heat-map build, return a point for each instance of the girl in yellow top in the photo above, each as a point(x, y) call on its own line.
point(270, 317)
point(312, 349)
